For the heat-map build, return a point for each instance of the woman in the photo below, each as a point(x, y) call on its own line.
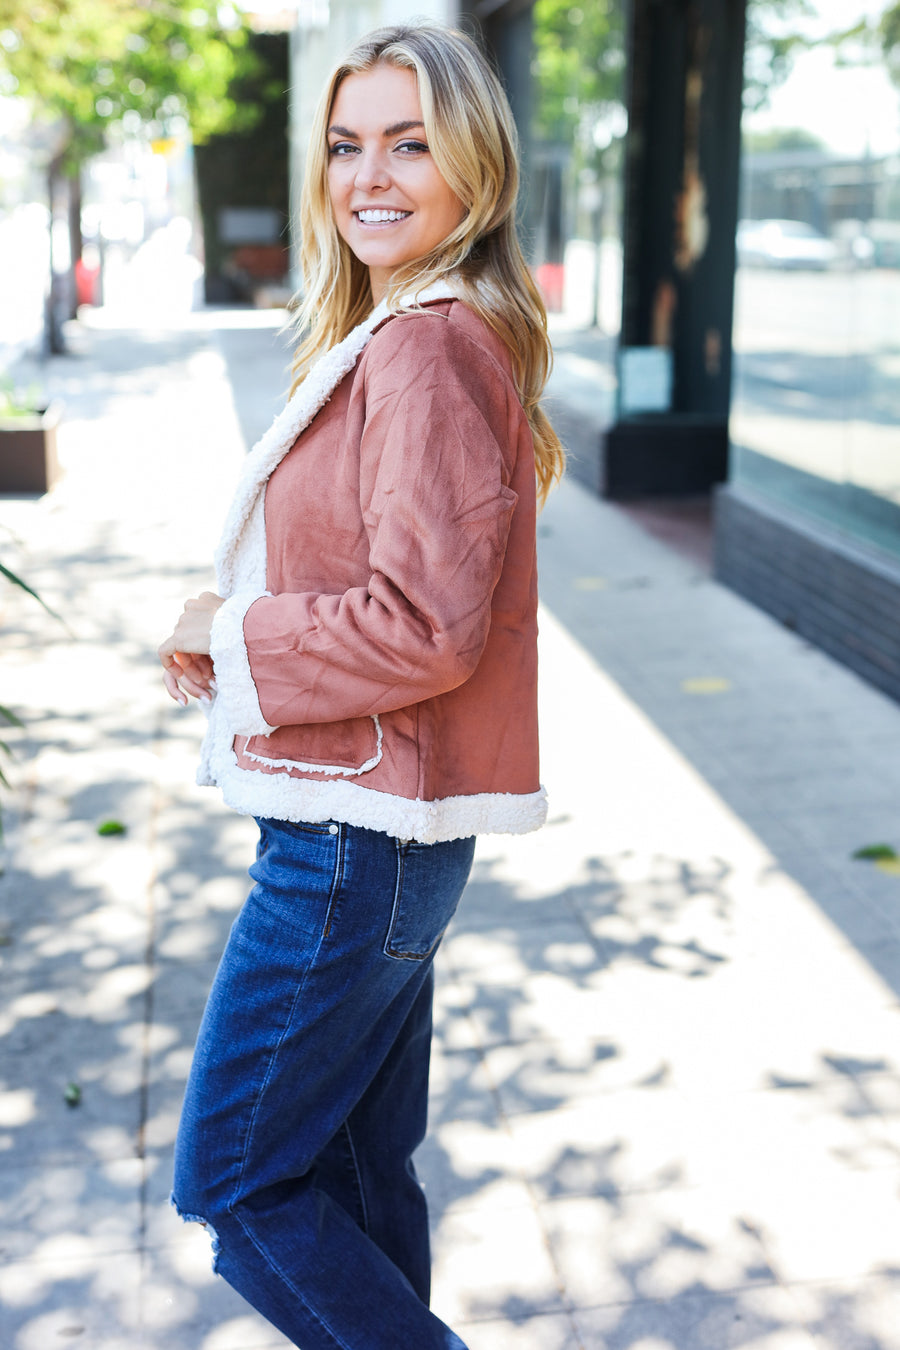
point(370, 670)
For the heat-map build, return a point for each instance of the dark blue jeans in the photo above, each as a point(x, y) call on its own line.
point(308, 1090)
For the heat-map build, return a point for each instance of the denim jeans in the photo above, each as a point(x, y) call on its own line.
point(308, 1090)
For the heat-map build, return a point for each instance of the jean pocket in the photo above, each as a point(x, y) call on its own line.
point(430, 880)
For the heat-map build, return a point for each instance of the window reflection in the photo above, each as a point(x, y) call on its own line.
point(816, 409)
point(576, 141)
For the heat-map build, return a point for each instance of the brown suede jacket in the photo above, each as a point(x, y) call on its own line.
point(376, 659)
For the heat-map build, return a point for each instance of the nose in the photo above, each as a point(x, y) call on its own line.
point(372, 172)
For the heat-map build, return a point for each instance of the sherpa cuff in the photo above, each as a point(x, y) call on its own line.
point(234, 680)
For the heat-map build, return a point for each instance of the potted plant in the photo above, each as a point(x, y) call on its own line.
point(28, 459)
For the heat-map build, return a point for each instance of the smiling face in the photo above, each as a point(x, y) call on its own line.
point(391, 204)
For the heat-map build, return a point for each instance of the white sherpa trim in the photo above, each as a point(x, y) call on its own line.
point(281, 797)
point(235, 685)
point(238, 554)
point(350, 772)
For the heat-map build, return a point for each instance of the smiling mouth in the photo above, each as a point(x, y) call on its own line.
point(380, 216)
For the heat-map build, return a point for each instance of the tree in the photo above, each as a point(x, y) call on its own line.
point(873, 39)
point(579, 63)
point(782, 138)
point(83, 65)
point(773, 40)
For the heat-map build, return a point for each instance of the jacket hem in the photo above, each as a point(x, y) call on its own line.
point(281, 797)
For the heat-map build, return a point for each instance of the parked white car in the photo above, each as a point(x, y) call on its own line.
point(783, 243)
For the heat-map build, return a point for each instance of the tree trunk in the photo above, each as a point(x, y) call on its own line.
point(76, 240)
point(56, 305)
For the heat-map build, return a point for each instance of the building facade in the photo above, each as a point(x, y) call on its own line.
point(712, 208)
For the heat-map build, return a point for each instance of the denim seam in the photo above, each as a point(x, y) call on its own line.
point(395, 907)
point(358, 1174)
point(231, 1206)
point(338, 871)
point(336, 883)
point(282, 1275)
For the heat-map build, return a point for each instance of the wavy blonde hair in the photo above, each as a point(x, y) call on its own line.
point(472, 139)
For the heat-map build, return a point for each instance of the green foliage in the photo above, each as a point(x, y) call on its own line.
point(773, 40)
point(876, 853)
point(17, 402)
point(6, 715)
point(23, 585)
point(890, 35)
point(579, 63)
point(782, 138)
point(108, 827)
point(84, 64)
point(9, 717)
point(873, 40)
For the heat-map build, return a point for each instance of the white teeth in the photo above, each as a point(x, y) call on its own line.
point(375, 217)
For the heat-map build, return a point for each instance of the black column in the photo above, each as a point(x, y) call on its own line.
point(681, 194)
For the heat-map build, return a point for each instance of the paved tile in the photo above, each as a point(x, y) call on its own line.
point(857, 1315)
point(184, 1306)
point(69, 1211)
point(493, 1263)
point(757, 1319)
point(541, 1332)
point(87, 1299)
point(848, 1229)
point(658, 1244)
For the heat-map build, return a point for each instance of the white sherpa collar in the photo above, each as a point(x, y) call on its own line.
point(270, 449)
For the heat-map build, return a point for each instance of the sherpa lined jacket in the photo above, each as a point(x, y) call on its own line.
point(376, 657)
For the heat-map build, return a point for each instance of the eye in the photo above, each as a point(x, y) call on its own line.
point(341, 149)
point(412, 148)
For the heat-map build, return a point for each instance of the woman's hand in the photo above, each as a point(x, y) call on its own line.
point(187, 667)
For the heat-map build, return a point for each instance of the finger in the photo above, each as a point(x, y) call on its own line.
point(196, 673)
point(196, 688)
point(173, 689)
point(199, 662)
point(166, 651)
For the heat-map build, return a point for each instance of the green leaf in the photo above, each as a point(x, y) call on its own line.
point(17, 581)
point(10, 717)
point(877, 853)
point(111, 827)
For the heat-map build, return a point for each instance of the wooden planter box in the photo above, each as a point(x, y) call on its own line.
point(28, 461)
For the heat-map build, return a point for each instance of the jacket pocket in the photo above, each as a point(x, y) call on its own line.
point(354, 746)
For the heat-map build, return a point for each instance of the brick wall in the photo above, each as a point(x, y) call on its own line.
point(824, 585)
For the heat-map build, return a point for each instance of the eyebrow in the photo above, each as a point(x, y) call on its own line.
point(395, 129)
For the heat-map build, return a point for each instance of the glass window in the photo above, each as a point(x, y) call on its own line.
point(816, 409)
point(574, 221)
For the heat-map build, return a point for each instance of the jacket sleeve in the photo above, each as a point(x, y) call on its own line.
point(441, 419)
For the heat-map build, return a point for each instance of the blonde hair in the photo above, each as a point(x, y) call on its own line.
point(472, 139)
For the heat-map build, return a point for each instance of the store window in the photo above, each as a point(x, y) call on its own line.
point(815, 419)
point(574, 138)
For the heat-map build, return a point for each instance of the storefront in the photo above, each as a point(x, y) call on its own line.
point(735, 317)
point(809, 524)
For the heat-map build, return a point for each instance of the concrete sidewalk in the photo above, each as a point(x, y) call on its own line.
point(666, 1109)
